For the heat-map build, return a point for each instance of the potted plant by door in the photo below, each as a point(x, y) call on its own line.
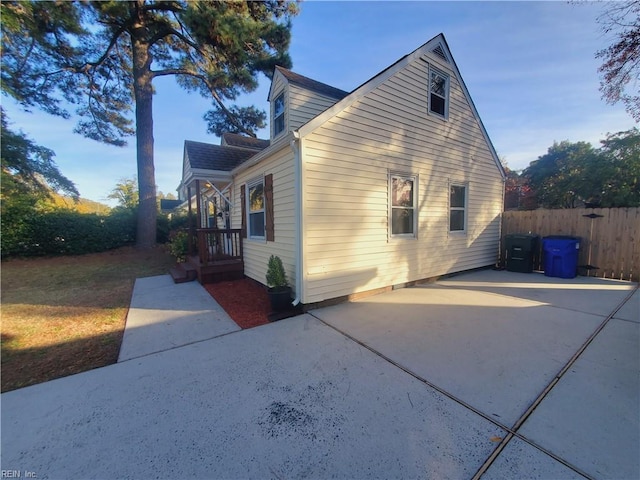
point(279, 290)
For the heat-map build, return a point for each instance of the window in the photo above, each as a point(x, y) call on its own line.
point(403, 200)
point(255, 207)
point(438, 93)
point(278, 114)
point(457, 208)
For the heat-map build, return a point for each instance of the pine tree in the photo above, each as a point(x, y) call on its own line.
point(103, 58)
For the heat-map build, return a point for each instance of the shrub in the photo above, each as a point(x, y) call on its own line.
point(67, 232)
point(179, 245)
point(168, 224)
point(276, 275)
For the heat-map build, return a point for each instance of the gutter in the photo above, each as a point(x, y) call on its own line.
point(296, 147)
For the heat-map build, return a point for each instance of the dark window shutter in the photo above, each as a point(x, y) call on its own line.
point(268, 201)
point(243, 210)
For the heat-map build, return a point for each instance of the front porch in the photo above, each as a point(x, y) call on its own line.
point(214, 248)
point(216, 254)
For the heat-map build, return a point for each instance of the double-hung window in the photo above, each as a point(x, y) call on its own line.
point(403, 212)
point(278, 114)
point(457, 208)
point(438, 93)
point(255, 208)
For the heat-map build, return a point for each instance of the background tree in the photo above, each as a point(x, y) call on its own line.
point(125, 193)
point(517, 192)
point(556, 176)
point(571, 175)
point(166, 196)
point(104, 56)
point(249, 121)
point(621, 61)
point(31, 166)
point(619, 171)
point(29, 177)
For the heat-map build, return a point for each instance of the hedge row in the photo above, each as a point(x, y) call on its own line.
point(65, 232)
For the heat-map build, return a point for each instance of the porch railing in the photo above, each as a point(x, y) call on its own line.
point(218, 245)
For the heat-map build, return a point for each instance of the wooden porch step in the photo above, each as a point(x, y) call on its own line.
point(183, 272)
point(221, 271)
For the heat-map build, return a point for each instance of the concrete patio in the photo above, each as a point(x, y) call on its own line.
point(483, 375)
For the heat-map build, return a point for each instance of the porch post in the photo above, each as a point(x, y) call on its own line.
point(190, 223)
point(198, 207)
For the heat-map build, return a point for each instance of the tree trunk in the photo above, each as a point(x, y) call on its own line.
point(143, 90)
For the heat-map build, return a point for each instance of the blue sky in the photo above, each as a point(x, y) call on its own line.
point(530, 68)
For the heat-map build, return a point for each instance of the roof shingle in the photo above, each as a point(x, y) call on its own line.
point(216, 157)
point(242, 141)
point(313, 85)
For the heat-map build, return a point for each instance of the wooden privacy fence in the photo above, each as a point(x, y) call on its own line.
point(609, 237)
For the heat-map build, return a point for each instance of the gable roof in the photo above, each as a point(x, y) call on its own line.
point(215, 157)
point(242, 141)
point(313, 85)
point(438, 46)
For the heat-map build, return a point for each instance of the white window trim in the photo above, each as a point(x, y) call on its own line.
point(284, 113)
point(447, 93)
point(465, 209)
point(405, 176)
point(253, 183)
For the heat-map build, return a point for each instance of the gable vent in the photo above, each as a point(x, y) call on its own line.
point(440, 52)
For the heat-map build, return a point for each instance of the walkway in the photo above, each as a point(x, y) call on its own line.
point(486, 375)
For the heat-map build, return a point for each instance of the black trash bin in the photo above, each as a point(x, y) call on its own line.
point(521, 249)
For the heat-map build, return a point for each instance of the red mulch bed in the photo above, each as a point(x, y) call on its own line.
point(244, 300)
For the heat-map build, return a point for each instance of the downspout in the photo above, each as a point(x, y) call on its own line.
point(295, 146)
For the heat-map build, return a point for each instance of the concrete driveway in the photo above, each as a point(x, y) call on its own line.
point(484, 375)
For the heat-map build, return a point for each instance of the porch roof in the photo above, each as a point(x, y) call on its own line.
point(213, 164)
point(215, 157)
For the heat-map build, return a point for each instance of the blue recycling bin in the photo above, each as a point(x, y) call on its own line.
point(560, 256)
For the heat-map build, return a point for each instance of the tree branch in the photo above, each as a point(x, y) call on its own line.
point(163, 7)
point(181, 36)
point(178, 71)
point(114, 40)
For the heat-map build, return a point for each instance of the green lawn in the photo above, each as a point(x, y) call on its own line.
point(65, 315)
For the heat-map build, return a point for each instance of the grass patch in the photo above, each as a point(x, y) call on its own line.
point(66, 315)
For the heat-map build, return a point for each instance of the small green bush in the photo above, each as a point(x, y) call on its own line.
point(179, 245)
point(167, 224)
point(276, 275)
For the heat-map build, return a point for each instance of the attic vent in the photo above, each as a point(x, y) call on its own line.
point(440, 52)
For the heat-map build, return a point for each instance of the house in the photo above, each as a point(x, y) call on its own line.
point(391, 183)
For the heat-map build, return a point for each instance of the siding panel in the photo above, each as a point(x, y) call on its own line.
point(346, 242)
point(305, 105)
point(256, 252)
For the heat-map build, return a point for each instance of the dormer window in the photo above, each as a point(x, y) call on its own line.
point(278, 114)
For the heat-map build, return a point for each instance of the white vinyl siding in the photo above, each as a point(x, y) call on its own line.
point(305, 105)
point(347, 160)
point(300, 104)
point(256, 253)
point(279, 88)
